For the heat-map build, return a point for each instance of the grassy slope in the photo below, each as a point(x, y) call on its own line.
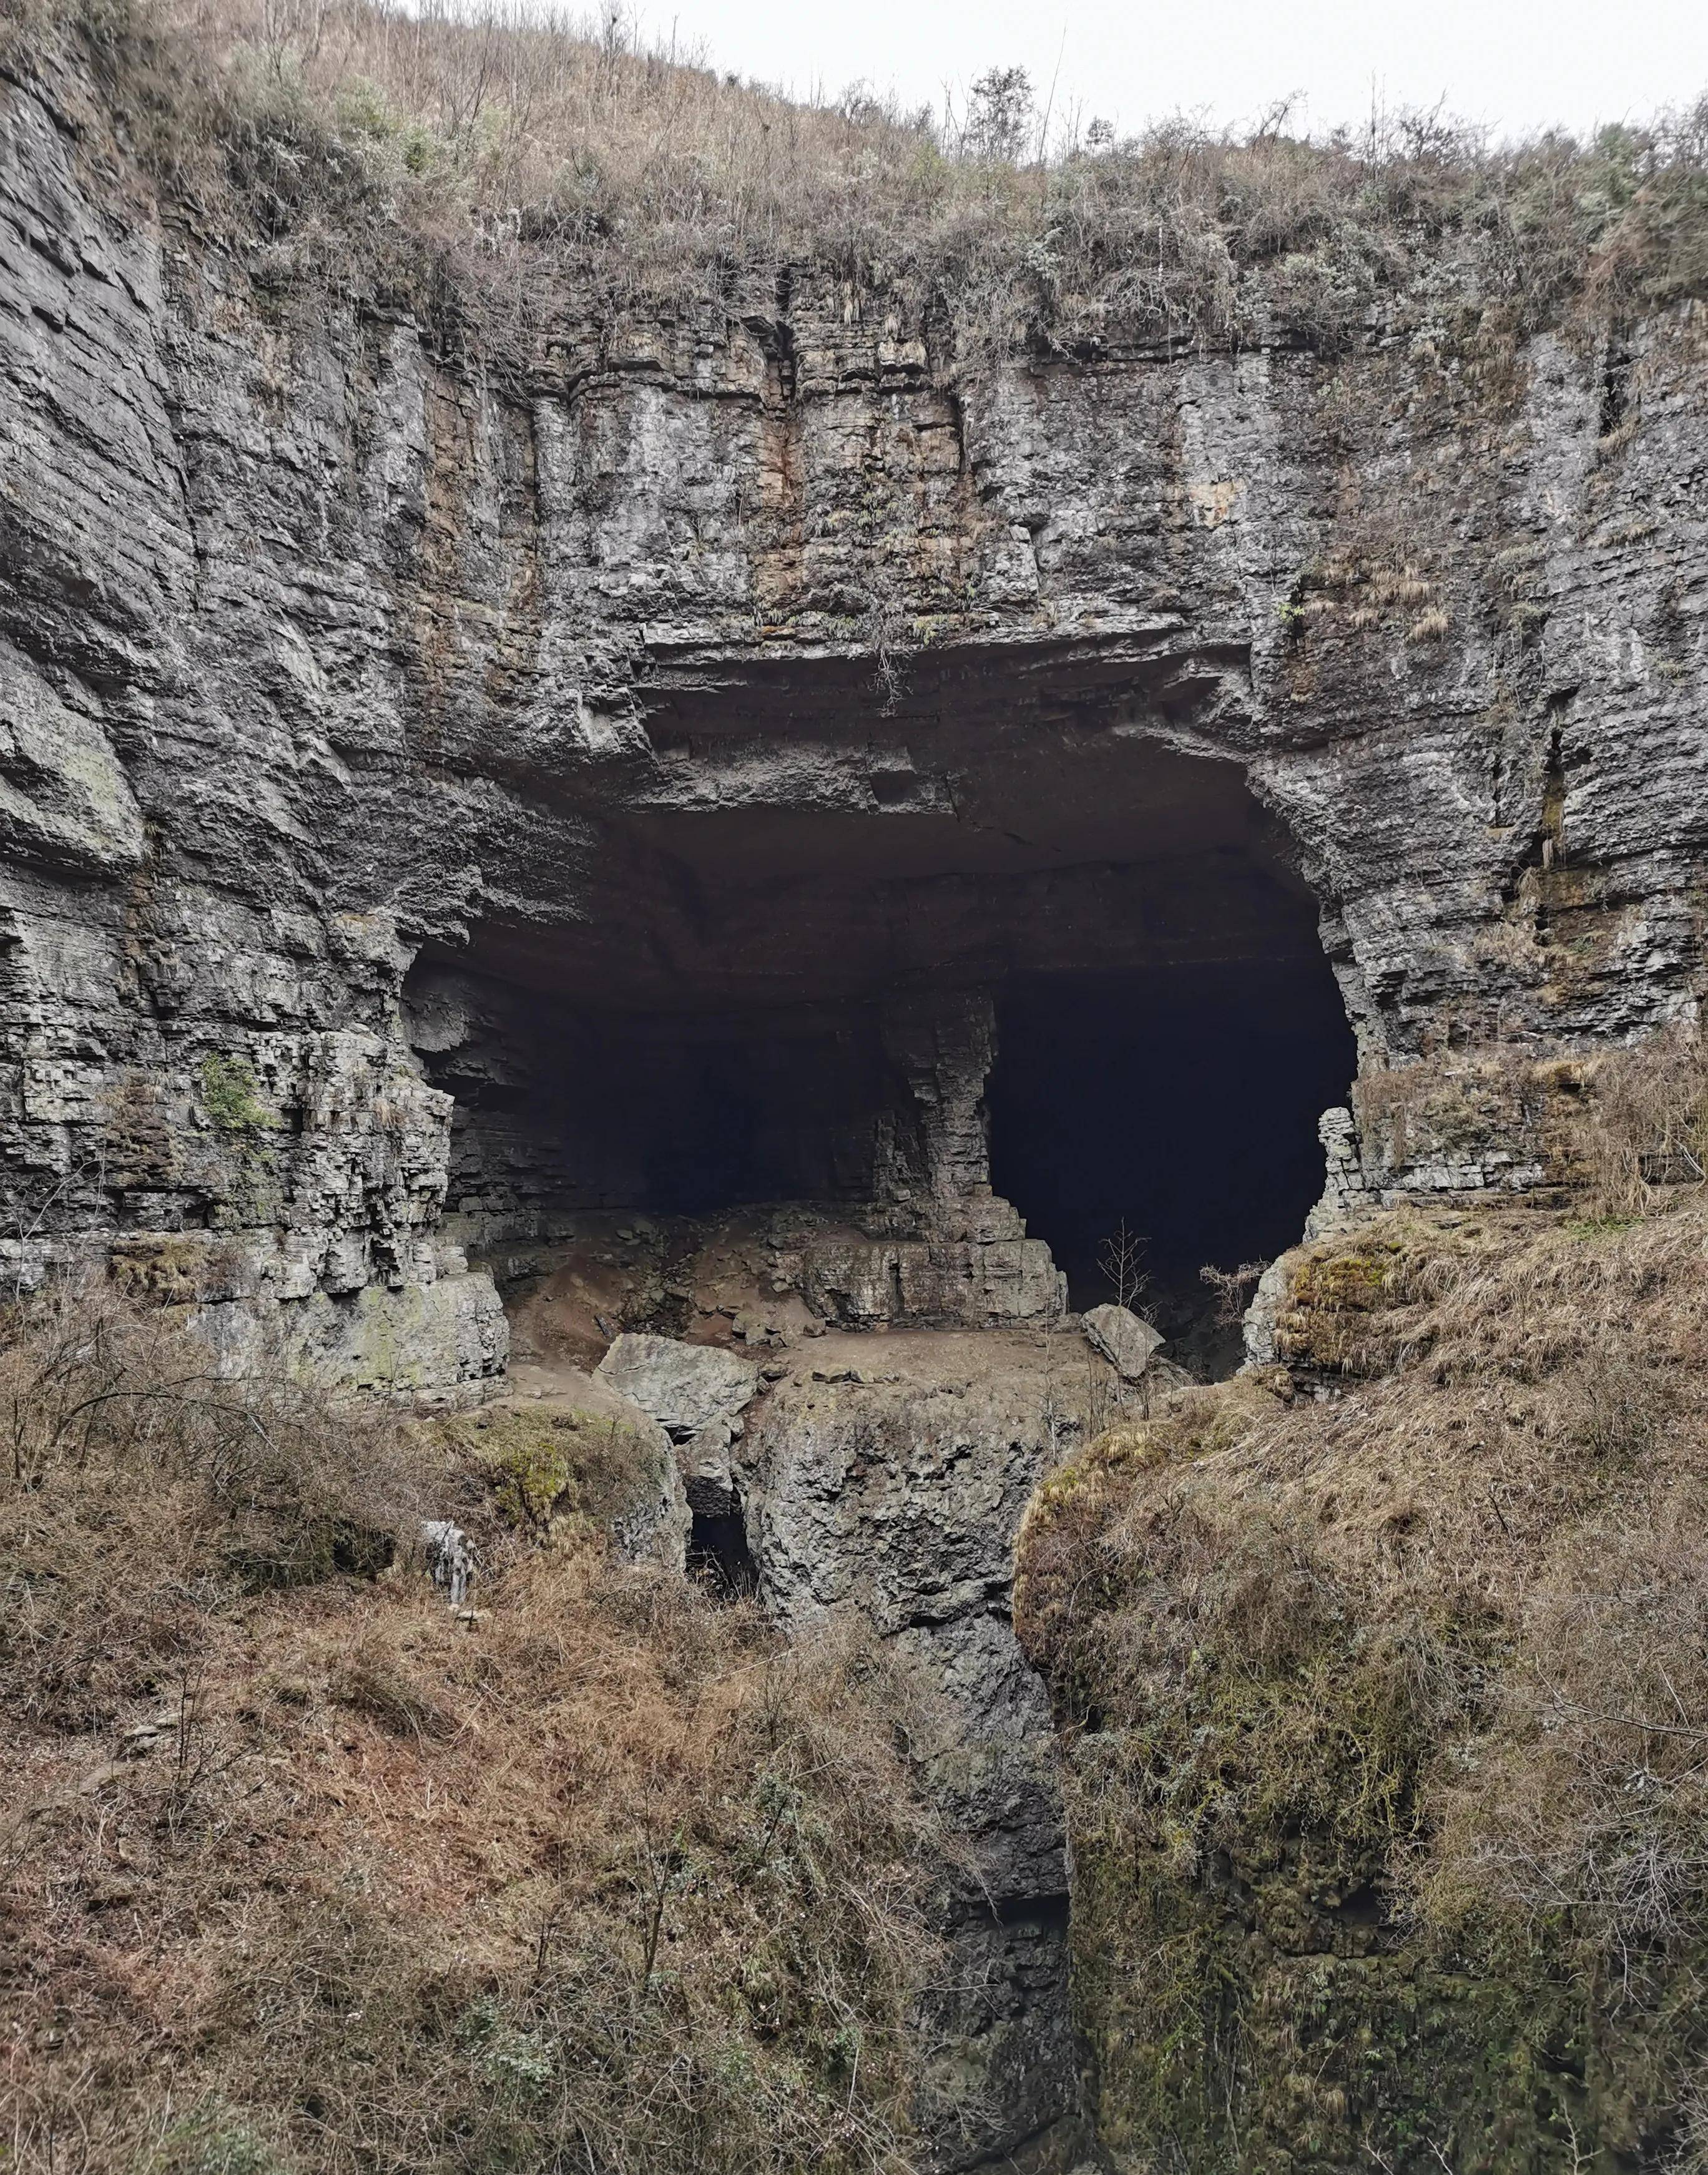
point(529, 169)
point(1386, 1715)
point(300, 1869)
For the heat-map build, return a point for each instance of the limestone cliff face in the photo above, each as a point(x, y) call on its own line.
point(326, 643)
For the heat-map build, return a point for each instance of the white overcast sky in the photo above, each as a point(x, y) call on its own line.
point(1516, 65)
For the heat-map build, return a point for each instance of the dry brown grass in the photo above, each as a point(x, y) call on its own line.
point(1448, 1626)
point(1648, 1129)
point(144, 1493)
point(350, 134)
point(302, 1869)
point(1626, 1128)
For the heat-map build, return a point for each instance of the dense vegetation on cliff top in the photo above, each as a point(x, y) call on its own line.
point(548, 168)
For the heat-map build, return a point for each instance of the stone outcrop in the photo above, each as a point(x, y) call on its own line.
point(887, 1476)
point(329, 654)
point(697, 1393)
point(684, 1387)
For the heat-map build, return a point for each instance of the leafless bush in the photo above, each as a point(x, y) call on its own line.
point(142, 1484)
point(1121, 1262)
point(1233, 1288)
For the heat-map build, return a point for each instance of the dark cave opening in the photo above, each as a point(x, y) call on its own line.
point(719, 1557)
point(751, 1005)
point(563, 1108)
point(1182, 1105)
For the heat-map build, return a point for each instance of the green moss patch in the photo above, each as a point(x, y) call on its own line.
point(560, 1477)
point(230, 1095)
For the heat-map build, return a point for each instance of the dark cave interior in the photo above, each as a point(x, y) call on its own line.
point(1182, 1106)
point(708, 1032)
point(719, 1557)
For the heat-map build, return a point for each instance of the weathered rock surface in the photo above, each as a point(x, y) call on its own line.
point(324, 648)
point(686, 1388)
point(696, 1392)
point(887, 1476)
point(1128, 1343)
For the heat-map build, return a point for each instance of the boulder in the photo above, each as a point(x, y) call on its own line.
point(684, 1387)
point(1128, 1343)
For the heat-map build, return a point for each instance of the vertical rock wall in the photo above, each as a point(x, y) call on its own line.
point(318, 641)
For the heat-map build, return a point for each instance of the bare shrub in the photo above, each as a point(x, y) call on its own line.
point(1121, 1264)
point(1647, 1126)
point(1233, 1288)
point(143, 1490)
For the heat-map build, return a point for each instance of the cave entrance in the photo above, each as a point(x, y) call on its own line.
point(910, 971)
point(719, 1557)
point(1177, 1107)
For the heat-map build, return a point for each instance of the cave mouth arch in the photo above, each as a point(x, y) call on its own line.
point(920, 983)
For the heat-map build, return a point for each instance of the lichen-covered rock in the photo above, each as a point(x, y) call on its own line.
point(581, 1463)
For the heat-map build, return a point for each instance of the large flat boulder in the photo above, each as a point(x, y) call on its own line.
point(1128, 1343)
point(686, 1388)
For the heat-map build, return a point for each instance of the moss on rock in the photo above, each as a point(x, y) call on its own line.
point(563, 1477)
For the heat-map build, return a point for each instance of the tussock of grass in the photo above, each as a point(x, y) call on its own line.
point(501, 147)
point(301, 1868)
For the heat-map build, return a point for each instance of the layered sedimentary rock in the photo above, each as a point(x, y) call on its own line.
point(331, 653)
point(463, 803)
point(888, 1476)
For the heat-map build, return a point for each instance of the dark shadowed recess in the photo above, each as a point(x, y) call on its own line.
point(719, 1557)
point(708, 1018)
point(1182, 1104)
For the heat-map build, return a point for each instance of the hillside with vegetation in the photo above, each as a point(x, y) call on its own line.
point(536, 163)
point(1380, 1676)
point(302, 1867)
